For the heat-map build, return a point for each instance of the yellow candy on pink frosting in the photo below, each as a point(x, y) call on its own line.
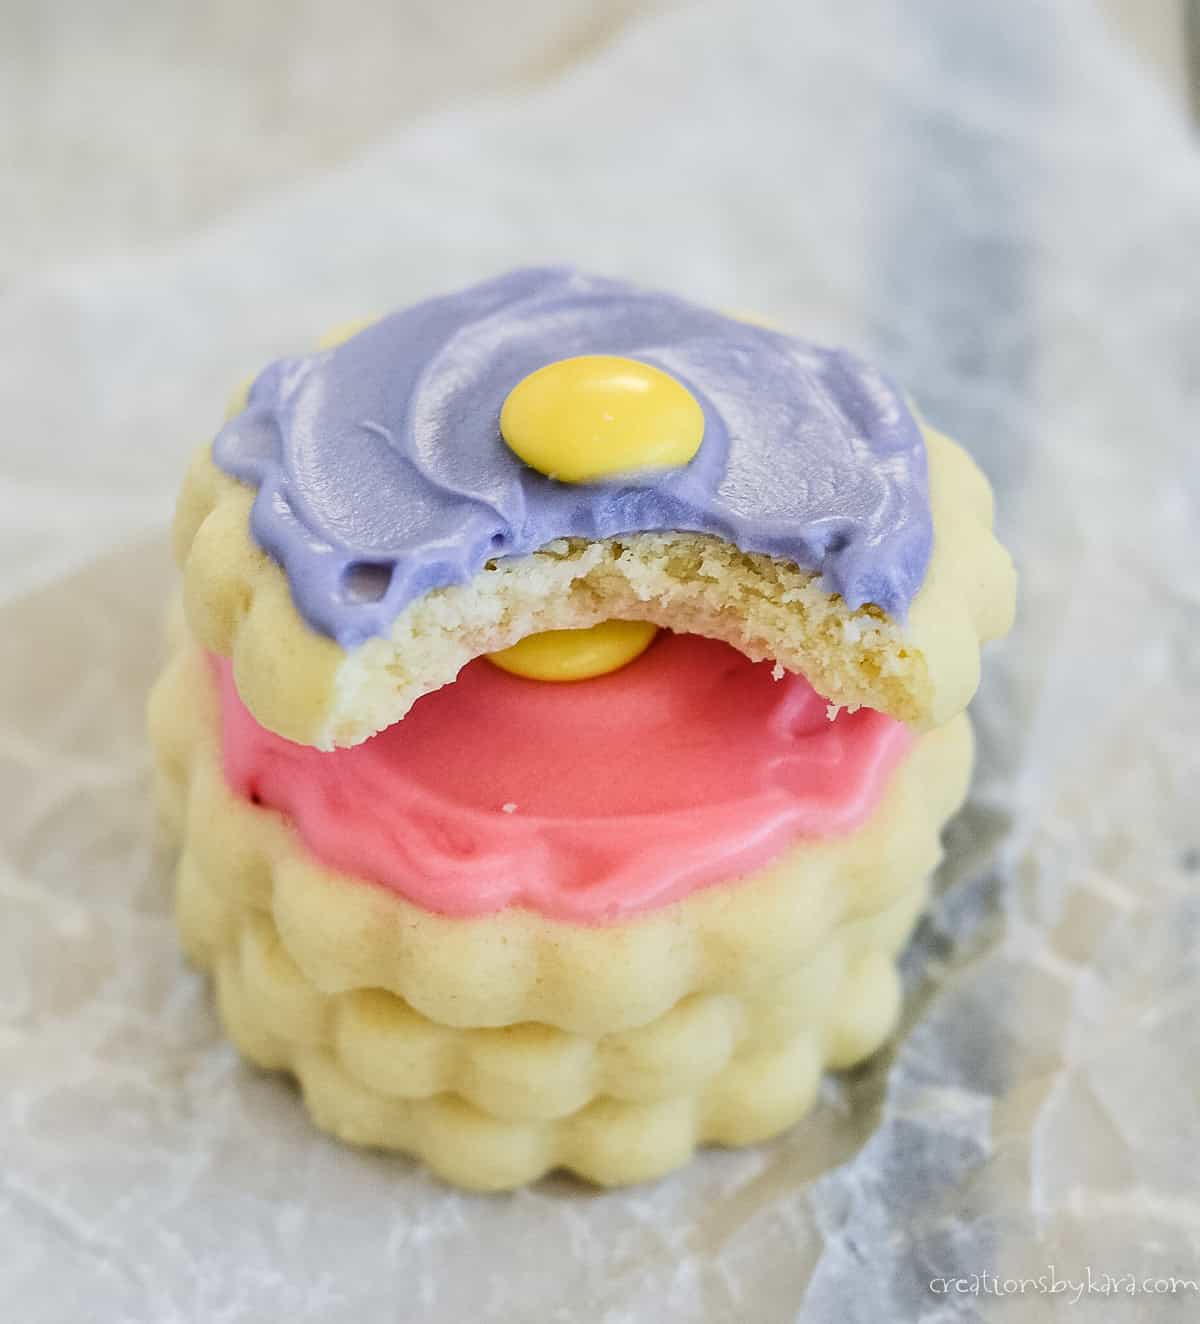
point(564, 655)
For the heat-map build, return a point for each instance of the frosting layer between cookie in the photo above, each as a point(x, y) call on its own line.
point(584, 802)
point(382, 473)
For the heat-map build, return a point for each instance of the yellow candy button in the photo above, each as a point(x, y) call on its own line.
point(597, 416)
point(576, 654)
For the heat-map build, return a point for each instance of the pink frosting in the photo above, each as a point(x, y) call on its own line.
point(586, 802)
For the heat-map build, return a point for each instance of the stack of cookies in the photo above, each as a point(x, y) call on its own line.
point(564, 705)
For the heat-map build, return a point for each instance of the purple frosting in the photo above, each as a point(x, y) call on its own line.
point(381, 471)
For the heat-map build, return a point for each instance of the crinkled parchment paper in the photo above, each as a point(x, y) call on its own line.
point(991, 200)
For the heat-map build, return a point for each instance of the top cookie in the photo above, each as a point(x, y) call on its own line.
point(372, 518)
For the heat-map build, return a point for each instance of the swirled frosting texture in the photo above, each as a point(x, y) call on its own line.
point(382, 473)
point(585, 802)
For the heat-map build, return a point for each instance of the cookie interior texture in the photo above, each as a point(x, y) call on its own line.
point(304, 686)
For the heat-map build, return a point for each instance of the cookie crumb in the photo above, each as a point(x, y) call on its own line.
point(777, 671)
point(508, 807)
point(832, 710)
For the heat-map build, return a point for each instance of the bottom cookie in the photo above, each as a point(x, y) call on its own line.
point(620, 1091)
point(495, 1108)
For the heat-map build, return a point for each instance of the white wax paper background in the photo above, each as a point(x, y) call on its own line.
point(989, 199)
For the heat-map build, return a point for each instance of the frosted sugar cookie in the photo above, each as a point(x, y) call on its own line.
point(361, 530)
point(563, 722)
